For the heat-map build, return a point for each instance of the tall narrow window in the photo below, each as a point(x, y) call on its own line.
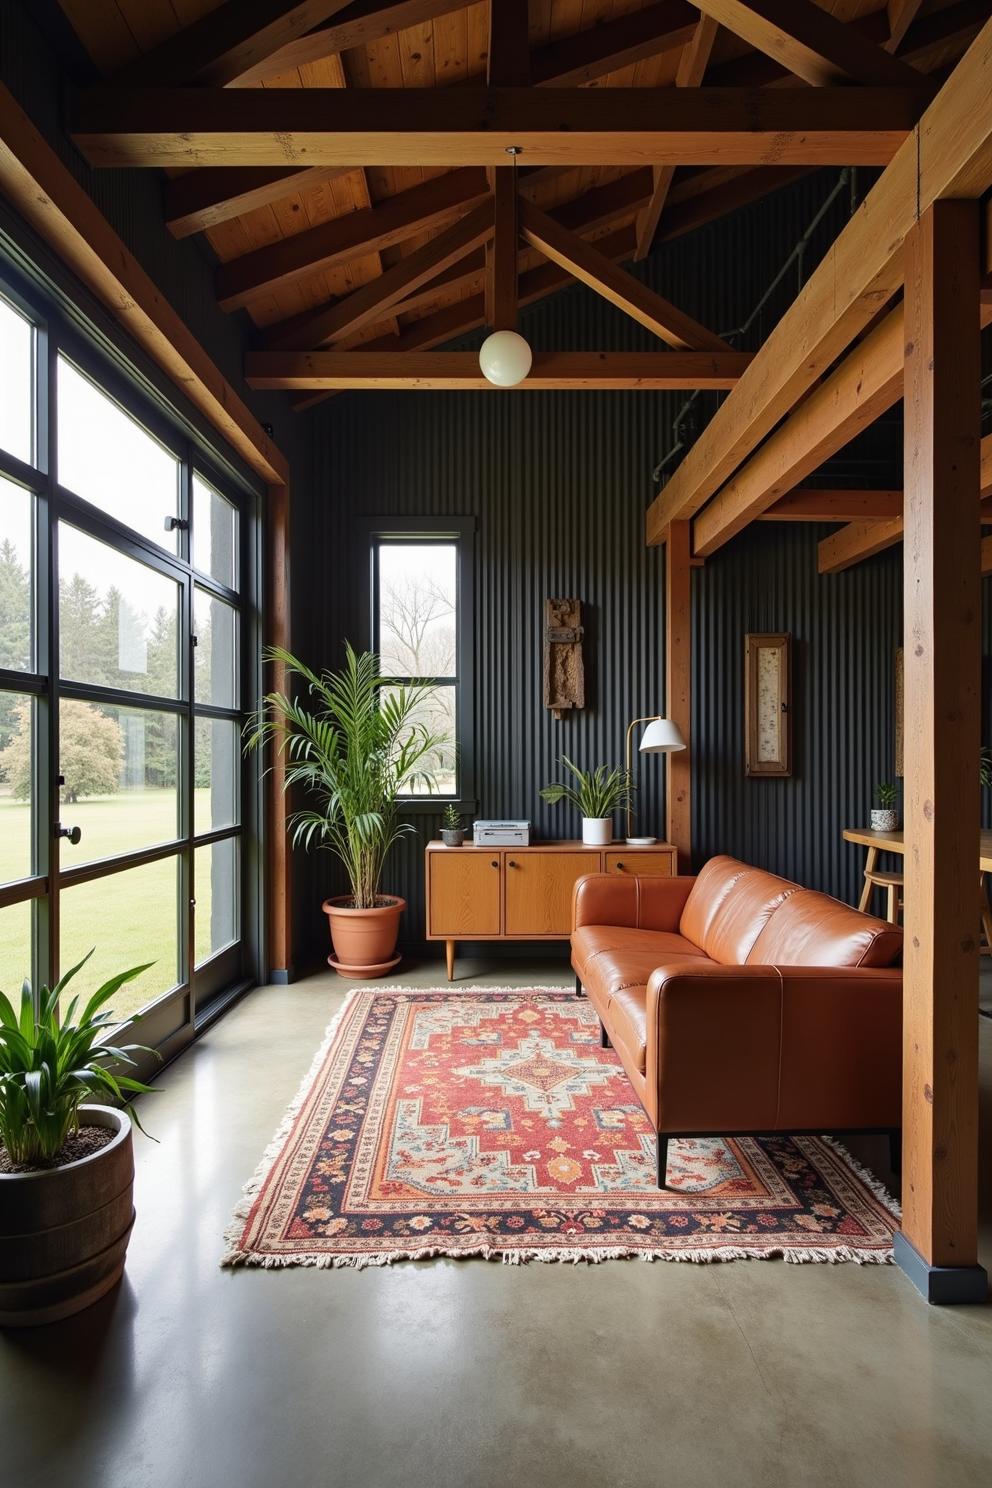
point(419, 599)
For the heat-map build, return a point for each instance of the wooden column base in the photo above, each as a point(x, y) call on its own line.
point(941, 1285)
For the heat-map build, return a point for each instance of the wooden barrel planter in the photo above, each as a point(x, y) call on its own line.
point(64, 1231)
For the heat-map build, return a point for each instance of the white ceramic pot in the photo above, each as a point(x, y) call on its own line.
point(884, 821)
point(597, 831)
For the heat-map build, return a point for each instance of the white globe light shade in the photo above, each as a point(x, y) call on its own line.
point(505, 358)
point(661, 736)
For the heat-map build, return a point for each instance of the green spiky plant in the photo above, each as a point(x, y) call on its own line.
point(886, 796)
point(452, 818)
point(354, 743)
point(597, 793)
point(50, 1066)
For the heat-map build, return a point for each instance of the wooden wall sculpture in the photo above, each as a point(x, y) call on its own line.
point(564, 675)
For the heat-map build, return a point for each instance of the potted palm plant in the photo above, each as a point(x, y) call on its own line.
point(66, 1167)
point(596, 795)
point(355, 742)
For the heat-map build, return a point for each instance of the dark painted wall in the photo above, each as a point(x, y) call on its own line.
point(559, 484)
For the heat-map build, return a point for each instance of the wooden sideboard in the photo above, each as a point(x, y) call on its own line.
point(520, 893)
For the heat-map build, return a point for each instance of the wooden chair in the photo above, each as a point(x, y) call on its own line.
point(892, 883)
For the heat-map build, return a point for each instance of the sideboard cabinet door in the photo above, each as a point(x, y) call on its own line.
point(641, 863)
point(539, 890)
point(464, 894)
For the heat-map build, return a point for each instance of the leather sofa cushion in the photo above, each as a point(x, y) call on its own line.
point(629, 1022)
point(729, 907)
point(811, 929)
point(614, 957)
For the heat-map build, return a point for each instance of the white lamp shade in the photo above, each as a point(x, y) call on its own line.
point(505, 358)
point(661, 736)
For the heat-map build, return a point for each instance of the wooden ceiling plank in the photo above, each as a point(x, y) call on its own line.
point(808, 505)
point(455, 370)
point(900, 14)
point(691, 71)
point(613, 44)
point(434, 203)
point(949, 155)
point(475, 126)
point(202, 199)
point(595, 270)
point(392, 286)
point(810, 42)
point(226, 42)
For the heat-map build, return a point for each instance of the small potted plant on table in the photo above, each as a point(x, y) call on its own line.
point(596, 795)
point(452, 832)
point(66, 1168)
point(884, 817)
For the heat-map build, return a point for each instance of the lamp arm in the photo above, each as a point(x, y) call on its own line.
point(628, 759)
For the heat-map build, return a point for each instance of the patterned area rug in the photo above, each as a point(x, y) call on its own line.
point(490, 1122)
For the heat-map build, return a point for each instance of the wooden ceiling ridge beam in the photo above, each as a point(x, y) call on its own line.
point(690, 73)
point(592, 268)
point(227, 42)
point(950, 154)
point(202, 127)
point(810, 42)
point(652, 371)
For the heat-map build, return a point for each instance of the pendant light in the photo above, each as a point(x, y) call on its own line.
point(505, 357)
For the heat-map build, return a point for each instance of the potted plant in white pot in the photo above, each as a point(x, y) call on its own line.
point(66, 1167)
point(355, 743)
point(884, 817)
point(596, 795)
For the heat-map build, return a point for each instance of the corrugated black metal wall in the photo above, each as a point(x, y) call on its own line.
point(558, 484)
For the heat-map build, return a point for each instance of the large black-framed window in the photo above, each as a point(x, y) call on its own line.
point(128, 570)
point(421, 574)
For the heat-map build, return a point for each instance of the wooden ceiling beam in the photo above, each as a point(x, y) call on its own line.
point(508, 61)
point(201, 199)
point(809, 505)
point(434, 203)
point(592, 268)
point(475, 126)
point(503, 253)
point(900, 15)
point(360, 24)
point(227, 42)
point(949, 155)
point(810, 42)
point(372, 300)
point(662, 371)
point(611, 45)
point(691, 71)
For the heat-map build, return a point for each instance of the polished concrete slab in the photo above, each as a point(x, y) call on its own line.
point(470, 1374)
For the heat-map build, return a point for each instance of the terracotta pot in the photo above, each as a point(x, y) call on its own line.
point(364, 940)
point(64, 1231)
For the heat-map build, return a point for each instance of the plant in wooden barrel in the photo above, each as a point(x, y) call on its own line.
point(66, 1167)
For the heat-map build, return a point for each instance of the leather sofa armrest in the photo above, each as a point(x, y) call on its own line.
point(646, 902)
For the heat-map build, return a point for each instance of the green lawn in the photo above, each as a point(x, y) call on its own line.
point(129, 917)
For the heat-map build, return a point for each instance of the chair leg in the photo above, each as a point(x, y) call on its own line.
point(604, 1037)
point(892, 904)
point(662, 1160)
point(578, 986)
point(895, 1149)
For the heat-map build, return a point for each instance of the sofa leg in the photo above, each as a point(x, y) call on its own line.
point(895, 1149)
point(604, 1037)
point(662, 1160)
point(578, 986)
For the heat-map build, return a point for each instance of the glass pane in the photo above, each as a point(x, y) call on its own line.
point(16, 383)
point(417, 609)
point(215, 876)
point(215, 534)
point(436, 713)
point(109, 459)
point(121, 771)
point(118, 619)
point(215, 660)
point(16, 794)
point(216, 760)
point(15, 949)
point(16, 577)
point(130, 918)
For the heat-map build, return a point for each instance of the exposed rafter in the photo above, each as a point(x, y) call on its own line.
point(808, 505)
point(200, 199)
point(179, 127)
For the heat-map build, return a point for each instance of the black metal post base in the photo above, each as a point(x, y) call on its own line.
point(662, 1161)
point(941, 1285)
point(604, 1037)
point(578, 986)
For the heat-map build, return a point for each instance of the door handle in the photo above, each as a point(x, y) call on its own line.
point(494, 863)
point(74, 834)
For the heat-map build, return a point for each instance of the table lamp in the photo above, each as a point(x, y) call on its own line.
point(662, 736)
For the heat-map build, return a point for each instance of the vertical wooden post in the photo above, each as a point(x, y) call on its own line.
point(938, 1246)
point(678, 688)
point(278, 856)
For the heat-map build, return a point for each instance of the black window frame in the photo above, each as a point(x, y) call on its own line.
point(379, 531)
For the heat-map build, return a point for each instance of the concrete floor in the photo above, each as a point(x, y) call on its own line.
point(469, 1374)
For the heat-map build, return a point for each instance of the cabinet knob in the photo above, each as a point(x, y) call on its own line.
point(494, 863)
point(619, 867)
point(512, 864)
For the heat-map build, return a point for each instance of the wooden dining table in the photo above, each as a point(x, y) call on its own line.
point(893, 842)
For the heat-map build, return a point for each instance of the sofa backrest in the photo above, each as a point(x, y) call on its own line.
point(740, 915)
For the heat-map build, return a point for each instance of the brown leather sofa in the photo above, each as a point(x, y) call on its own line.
point(740, 1003)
